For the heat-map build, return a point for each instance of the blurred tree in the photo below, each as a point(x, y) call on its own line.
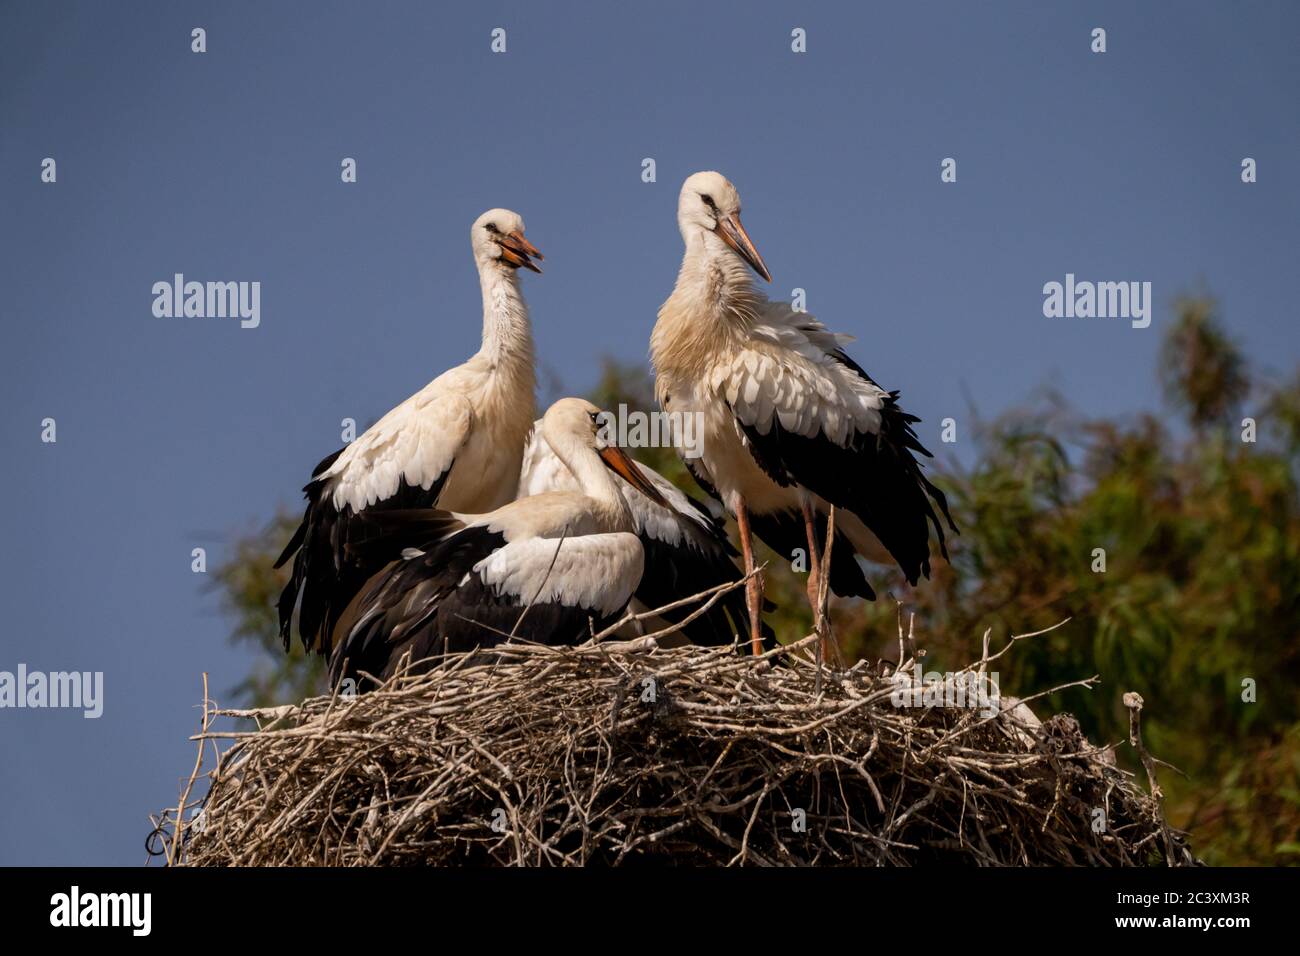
point(1282, 414)
point(1201, 591)
point(1201, 369)
point(1200, 599)
point(249, 588)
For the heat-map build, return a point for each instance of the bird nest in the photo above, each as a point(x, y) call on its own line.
point(628, 752)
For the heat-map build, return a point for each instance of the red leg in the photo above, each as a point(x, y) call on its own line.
point(820, 624)
point(754, 586)
point(814, 559)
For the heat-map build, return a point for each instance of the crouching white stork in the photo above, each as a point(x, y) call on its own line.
point(687, 550)
point(791, 424)
point(550, 568)
point(456, 443)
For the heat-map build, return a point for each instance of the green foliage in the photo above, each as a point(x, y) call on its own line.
point(1201, 589)
point(1282, 414)
point(1201, 369)
point(249, 589)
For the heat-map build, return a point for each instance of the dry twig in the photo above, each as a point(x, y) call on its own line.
point(614, 752)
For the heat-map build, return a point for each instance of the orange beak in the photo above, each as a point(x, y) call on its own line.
point(734, 235)
point(515, 250)
point(616, 460)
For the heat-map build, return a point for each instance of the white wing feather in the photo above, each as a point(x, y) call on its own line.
point(786, 372)
point(417, 441)
point(597, 572)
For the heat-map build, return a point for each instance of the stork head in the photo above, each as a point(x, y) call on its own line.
point(497, 237)
point(709, 209)
point(573, 426)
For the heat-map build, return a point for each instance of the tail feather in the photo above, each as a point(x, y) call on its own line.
point(381, 536)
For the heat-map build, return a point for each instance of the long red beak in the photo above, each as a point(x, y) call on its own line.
point(515, 249)
point(617, 461)
point(734, 235)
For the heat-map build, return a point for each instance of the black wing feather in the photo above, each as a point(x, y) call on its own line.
point(783, 532)
point(672, 573)
point(435, 603)
point(325, 576)
point(733, 603)
point(877, 477)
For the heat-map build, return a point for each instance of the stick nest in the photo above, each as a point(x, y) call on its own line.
point(627, 752)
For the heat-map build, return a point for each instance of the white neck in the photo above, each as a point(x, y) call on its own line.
point(596, 481)
point(507, 333)
point(712, 268)
point(713, 301)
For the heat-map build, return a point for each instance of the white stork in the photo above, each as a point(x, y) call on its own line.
point(456, 443)
point(791, 424)
point(545, 568)
point(686, 549)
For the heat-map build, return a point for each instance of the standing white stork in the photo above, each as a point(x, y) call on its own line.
point(686, 548)
point(456, 443)
point(791, 424)
point(546, 568)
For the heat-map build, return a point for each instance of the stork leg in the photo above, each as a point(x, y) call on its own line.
point(820, 624)
point(754, 584)
point(814, 559)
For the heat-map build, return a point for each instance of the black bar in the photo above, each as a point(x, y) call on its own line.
point(342, 907)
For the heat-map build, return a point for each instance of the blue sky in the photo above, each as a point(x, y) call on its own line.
point(176, 433)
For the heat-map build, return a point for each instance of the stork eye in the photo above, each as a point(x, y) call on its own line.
point(490, 227)
point(708, 201)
